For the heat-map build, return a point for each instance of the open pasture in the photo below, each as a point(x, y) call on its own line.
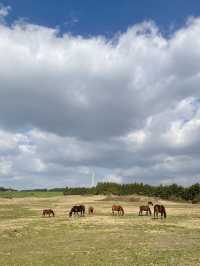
point(28, 239)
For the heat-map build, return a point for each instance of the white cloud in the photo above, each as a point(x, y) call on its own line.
point(5, 167)
point(4, 11)
point(128, 107)
point(113, 178)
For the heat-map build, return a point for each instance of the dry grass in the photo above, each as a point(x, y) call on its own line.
point(100, 239)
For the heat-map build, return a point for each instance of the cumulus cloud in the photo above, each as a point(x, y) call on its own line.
point(127, 107)
point(4, 11)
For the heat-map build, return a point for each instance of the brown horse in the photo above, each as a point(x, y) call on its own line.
point(119, 209)
point(90, 210)
point(76, 209)
point(159, 209)
point(146, 209)
point(48, 212)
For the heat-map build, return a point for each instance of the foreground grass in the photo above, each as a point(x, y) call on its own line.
point(28, 239)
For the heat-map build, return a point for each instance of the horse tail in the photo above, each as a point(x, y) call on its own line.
point(164, 212)
point(53, 213)
point(122, 211)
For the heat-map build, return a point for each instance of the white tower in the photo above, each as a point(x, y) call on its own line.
point(93, 179)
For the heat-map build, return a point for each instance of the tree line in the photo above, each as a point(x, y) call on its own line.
point(169, 192)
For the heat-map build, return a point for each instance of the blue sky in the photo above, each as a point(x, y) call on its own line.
point(73, 103)
point(90, 17)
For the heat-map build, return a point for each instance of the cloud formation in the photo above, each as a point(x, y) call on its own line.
point(127, 108)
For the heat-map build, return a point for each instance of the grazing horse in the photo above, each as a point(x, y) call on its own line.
point(146, 208)
point(90, 210)
point(48, 212)
point(119, 209)
point(76, 209)
point(159, 209)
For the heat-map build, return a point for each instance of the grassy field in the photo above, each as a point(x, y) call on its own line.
point(25, 194)
point(28, 239)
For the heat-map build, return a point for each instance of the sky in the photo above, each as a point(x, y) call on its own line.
point(108, 89)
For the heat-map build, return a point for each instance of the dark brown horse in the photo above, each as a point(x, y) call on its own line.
point(119, 210)
point(48, 212)
point(77, 209)
point(90, 210)
point(159, 209)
